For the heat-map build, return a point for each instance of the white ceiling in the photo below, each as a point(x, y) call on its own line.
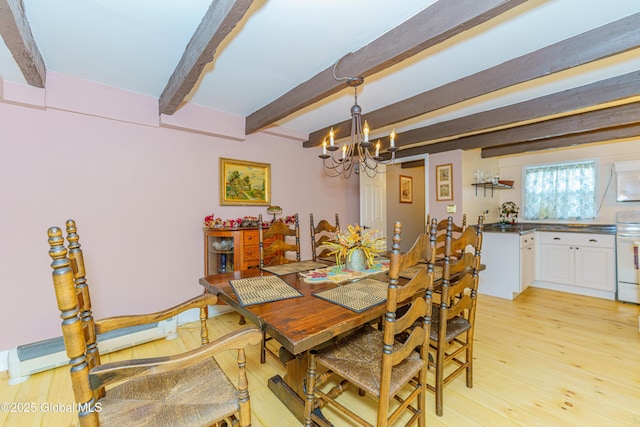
point(136, 45)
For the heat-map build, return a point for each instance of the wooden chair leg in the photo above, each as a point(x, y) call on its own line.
point(242, 321)
point(310, 390)
point(263, 347)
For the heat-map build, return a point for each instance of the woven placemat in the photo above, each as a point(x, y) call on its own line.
point(357, 296)
point(293, 267)
point(256, 290)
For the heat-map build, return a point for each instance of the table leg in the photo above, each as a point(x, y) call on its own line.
point(290, 390)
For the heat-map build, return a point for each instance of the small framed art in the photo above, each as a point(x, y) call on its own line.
point(406, 189)
point(444, 182)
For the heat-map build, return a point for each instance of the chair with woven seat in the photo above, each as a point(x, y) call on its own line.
point(179, 390)
point(454, 316)
point(321, 233)
point(275, 251)
point(373, 360)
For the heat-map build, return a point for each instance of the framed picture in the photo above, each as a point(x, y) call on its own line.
point(244, 183)
point(444, 182)
point(406, 189)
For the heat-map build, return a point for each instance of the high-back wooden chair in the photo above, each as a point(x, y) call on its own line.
point(178, 390)
point(441, 231)
point(321, 233)
point(275, 252)
point(373, 360)
point(454, 317)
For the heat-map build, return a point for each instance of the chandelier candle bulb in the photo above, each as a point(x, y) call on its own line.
point(366, 131)
point(378, 149)
point(393, 137)
point(331, 140)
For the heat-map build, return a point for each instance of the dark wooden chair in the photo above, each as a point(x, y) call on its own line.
point(373, 360)
point(178, 390)
point(454, 317)
point(441, 231)
point(275, 252)
point(321, 233)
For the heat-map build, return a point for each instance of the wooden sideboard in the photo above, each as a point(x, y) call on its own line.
point(239, 247)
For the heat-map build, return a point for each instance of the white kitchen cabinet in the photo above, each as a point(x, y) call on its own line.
point(510, 263)
point(580, 263)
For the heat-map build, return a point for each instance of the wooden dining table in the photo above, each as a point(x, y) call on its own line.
point(299, 324)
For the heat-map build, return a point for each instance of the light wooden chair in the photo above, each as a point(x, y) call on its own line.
point(178, 390)
point(373, 360)
point(273, 249)
point(454, 317)
point(275, 252)
point(321, 233)
point(441, 231)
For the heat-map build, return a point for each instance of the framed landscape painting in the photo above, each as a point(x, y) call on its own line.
point(444, 182)
point(244, 183)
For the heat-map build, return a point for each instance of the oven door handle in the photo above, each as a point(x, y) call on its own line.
point(628, 236)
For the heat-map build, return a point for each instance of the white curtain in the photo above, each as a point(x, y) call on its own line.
point(564, 191)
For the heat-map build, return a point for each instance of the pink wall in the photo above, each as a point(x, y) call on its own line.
point(138, 193)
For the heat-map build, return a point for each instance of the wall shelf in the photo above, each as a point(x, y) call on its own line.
point(492, 186)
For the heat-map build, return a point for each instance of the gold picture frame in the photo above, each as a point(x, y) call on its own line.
point(245, 183)
point(406, 189)
point(444, 182)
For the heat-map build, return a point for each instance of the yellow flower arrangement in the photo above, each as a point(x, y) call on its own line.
point(344, 244)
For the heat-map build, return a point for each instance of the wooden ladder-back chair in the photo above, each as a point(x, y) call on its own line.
point(275, 253)
point(454, 317)
point(178, 390)
point(441, 231)
point(373, 360)
point(321, 233)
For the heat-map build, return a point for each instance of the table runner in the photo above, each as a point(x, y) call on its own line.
point(256, 290)
point(335, 274)
point(293, 267)
point(357, 296)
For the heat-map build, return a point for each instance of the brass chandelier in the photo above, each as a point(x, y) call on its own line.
point(358, 154)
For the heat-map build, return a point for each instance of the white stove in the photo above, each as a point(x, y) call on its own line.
point(628, 256)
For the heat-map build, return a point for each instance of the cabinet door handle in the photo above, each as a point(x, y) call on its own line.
point(556, 238)
point(577, 248)
point(593, 240)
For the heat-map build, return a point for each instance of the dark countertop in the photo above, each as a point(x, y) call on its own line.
point(523, 228)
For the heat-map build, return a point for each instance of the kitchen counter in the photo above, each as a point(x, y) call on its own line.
point(524, 228)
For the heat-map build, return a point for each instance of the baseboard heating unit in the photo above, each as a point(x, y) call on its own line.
point(25, 360)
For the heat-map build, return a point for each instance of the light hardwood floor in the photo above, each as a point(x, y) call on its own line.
point(544, 359)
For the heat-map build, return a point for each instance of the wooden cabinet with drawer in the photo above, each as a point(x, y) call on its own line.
point(229, 249)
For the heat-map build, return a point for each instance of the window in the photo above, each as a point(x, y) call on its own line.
point(561, 191)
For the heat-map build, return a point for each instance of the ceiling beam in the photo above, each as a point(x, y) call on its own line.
point(602, 92)
point(601, 135)
point(435, 24)
point(602, 42)
point(412, 164)
point(16, 32)
point(221, 17)
point(620, 115)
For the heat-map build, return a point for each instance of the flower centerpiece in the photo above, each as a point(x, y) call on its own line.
point(349, 247)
